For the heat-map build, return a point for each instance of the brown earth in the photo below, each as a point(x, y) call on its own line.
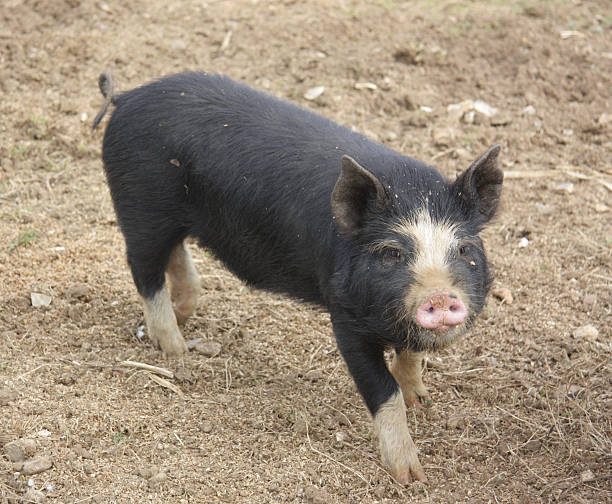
point(522, 407)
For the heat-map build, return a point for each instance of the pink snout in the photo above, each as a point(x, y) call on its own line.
point(441, 312)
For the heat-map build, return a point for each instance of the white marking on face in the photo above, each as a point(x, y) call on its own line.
point(434, 243)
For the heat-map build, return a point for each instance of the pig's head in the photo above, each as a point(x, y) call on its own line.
point(422, 271)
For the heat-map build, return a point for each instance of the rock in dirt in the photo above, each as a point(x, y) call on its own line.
point(565, 187)
point(587, 476)
point(208, 348)
point(37, 465)
point(6, 396)
point(206, 426)
point(314, 93)
point(588, 332)
point(503, 294)
point(20, 450)
point(38, 299)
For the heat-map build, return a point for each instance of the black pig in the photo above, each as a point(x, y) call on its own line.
point(293, 202)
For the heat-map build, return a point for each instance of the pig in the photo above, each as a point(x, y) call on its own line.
point(292, 202)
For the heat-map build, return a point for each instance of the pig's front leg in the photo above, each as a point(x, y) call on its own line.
point(406, 368)
point(385, 401)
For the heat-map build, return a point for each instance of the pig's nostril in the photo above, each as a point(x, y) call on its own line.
point(431, 309)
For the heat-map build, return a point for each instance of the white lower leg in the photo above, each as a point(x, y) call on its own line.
point(161, 324)
point(397, 449)
point(184, 283)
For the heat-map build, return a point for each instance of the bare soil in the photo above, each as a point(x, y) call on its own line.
point(522, 406)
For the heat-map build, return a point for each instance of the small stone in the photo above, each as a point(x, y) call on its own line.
point(484, 108)
point(503, 294)
point(37, 299)
point(314, 93)
point(6, 396)
point(502, 119)
point(589, 299)
point(206, 426)
point(601, 208)
point(208, 348)
point(523, 242)
point(340, 436)
point(366, 85)
point(587, 332)
point(604, 118)
point(529, 110)
point(37, 465)
point(586, 476)
point(565, 187)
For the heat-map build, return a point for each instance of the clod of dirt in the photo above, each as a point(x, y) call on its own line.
point(443, 137)
point(38, 299)
point(314, 93)
point(6, 396)
point(206, 426)
point(503, 294)
point(300, 426)
point(34, 496)
point(147, 472)
point(501, 119)
point(316, 495)
point(208, 348)
point(78, 291)
point(37, 465)
point(157, 479)
point(82, 452)
point(456, 422)
point(587, 476)
point(20, 450)
point(587, 332)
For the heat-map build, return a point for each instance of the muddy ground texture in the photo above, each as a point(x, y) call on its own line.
point(265, 411)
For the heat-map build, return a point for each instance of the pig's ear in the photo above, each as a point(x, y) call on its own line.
point(355, 189)
point(481, 184)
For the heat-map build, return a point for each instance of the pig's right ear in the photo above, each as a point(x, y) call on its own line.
point(481, 184)
point(355, 189)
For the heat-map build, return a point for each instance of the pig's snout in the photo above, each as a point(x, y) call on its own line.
point(441, 312)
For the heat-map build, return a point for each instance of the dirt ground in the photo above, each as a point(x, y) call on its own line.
point(522, 406)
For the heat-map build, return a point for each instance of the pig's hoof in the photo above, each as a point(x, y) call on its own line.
point(417, 396)
point(414, 472)
point(172, 344)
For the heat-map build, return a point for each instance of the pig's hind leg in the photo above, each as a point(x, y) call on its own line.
point(184, 283)
point(406, 369)
point(148, 260)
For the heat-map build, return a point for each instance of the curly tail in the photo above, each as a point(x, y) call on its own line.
point(107, 86)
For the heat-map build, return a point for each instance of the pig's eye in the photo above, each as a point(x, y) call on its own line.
point(391, 256)
point(462, 250)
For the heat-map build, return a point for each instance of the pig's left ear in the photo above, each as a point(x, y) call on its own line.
point(481, 184)
point(356, 189)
